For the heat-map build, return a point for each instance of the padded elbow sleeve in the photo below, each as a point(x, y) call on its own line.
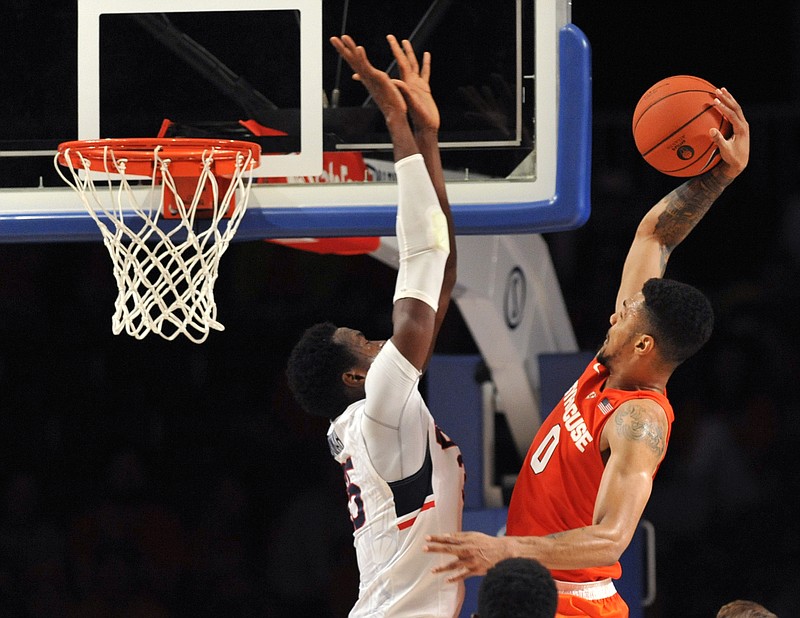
point(422, 234)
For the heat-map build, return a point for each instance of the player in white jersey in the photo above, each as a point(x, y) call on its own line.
point(404, 477)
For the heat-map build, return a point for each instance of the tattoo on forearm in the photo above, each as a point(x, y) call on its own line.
point(639, 424)
point(686, 205)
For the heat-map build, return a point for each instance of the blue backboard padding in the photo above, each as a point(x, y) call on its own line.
point(455, 400)
point(488, 521)
point(557, 372)
point(567, 209)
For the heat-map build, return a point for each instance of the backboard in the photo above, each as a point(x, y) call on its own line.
point(512, 79)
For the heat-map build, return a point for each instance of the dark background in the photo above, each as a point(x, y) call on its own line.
point(162, 478)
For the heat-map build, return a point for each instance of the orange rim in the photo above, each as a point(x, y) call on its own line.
point(139, 152)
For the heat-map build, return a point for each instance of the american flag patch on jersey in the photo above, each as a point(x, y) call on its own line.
point(605, 406)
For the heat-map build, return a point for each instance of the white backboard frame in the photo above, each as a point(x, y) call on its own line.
point(308, 162)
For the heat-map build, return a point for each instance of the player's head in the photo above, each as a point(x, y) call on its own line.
point(517, 588)
point(327, 368)
point(679, 317)
point(744, 609)
point(671, 318)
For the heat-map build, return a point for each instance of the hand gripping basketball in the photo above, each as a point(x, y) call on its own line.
point(672, 124)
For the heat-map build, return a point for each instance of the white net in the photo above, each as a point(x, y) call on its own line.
point(165, 269)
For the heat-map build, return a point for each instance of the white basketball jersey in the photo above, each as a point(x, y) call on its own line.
point(391, 520)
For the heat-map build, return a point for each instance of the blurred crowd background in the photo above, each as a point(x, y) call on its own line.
point(152, 478)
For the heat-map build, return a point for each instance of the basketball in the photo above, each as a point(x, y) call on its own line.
point(671, 124)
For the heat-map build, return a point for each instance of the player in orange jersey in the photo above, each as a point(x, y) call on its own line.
point(589, 471)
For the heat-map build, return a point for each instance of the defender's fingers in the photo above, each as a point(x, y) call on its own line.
point(399, 55)
point(412, 57)
point(348, 41)
point(358, 61)
point(343, 43)
point(425, 73)
point(337, 43)
point(347, 49)
point(402, 87)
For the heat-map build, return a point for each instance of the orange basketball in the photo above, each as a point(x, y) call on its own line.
point(671, 124)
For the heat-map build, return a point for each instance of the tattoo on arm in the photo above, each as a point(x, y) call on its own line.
point(664, 258)
point(685, 206)
point(639, 424)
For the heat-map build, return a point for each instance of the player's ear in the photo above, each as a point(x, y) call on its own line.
point(353, 379)
point(644, 344)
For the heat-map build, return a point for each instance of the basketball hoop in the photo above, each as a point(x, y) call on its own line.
point(165, 237)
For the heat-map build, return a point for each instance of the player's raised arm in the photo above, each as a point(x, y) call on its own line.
point(423, 223)
point(414, 83)
point(385, 93)
point(676, 214)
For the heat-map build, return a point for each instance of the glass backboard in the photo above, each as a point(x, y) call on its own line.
point(512, 79)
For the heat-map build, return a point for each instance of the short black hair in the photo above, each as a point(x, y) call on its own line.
point(314, 371)
point(517, 588)
point(679, 316)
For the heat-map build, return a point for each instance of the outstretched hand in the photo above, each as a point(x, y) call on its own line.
point(474, 552)
point(735, 151)
point(383, 89)
point(414, 83)
point(411, 94)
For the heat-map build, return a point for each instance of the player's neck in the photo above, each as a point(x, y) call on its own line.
point(627, 381)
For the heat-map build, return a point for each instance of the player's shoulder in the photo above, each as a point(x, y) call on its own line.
point(641, 410)
point(640, 420)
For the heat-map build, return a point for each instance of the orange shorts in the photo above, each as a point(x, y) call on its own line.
point(575, 601)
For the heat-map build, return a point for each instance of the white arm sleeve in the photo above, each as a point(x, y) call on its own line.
point(422, 234)
point(396, 419)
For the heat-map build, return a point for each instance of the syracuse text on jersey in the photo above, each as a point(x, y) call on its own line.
point(573, 421)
